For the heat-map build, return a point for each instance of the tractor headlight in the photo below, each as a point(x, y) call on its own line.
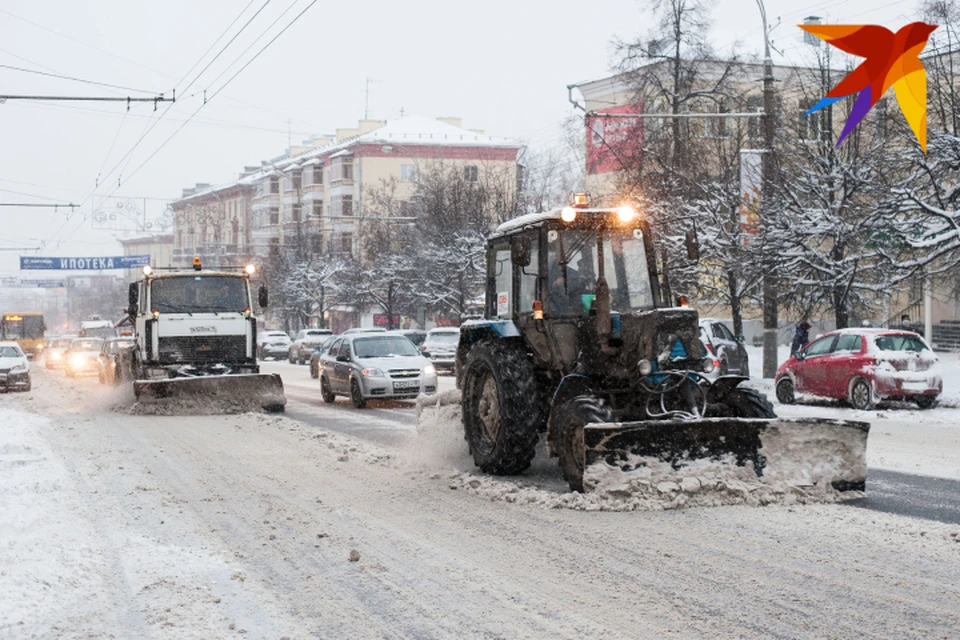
point(645, 367)
point(626, 214)
point(429, 370)
point(372, 372)
point(568, 214)
point(707, 365)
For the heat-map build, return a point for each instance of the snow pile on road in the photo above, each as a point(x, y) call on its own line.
point(192, 406)
point(703, 483)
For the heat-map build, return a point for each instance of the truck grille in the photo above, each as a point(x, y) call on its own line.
point(188, 349)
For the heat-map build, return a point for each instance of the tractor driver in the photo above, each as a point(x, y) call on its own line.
point(579, 281)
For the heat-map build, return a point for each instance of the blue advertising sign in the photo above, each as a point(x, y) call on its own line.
point(46, 284)
point(84, 264)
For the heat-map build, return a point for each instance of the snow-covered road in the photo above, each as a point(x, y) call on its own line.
point(257, 526)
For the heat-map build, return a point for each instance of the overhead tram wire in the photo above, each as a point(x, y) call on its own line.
point(64, 77)
point(150, 126)
point(217, 92)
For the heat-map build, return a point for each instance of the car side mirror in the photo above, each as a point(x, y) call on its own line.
point(133, 298)
point(741, 339)
point(799, 355)
point(262, 296)
point(425, 353)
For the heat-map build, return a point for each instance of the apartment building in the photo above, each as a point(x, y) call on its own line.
point(312, 199)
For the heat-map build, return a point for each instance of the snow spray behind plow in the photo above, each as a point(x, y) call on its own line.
point(815, 456)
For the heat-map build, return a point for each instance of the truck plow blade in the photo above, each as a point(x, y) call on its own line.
point(727, 460)
point(214, 394)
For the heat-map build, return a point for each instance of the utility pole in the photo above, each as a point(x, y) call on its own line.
point(770, 301)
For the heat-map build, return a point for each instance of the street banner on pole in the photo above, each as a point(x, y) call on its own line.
point(613, 142)
point(751, 188)
point(83, 264)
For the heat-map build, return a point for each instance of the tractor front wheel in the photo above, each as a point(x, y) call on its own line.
point(571, 418)
point(501, 411)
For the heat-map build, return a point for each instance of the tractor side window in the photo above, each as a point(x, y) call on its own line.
point(528, 279)
point(502, 275)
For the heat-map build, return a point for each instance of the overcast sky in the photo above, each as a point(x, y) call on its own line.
point(501, 65)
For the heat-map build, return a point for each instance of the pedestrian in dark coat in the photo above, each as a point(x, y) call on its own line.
point(801, 337)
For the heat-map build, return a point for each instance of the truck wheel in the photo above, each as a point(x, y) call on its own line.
point(500, 408)
point(743, 402)
point(325, 392)
point(572, 416)
point(785, 392)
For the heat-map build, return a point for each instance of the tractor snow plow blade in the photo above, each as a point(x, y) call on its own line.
point(728, 460)
point(214, 394)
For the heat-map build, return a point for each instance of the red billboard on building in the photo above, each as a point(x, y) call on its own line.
point(613, 142)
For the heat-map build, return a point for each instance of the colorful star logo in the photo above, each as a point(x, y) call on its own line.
point(892, 59)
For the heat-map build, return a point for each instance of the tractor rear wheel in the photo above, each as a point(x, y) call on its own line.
point(571, 418)
point(501, 411)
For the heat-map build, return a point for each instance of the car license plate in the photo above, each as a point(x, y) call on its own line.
point(406, 384)
point(915, 385)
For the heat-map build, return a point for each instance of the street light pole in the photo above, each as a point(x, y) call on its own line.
point(770, 302)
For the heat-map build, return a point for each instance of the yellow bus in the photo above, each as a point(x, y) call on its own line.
point(26, 329)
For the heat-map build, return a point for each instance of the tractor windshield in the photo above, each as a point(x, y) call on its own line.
point(575, 264)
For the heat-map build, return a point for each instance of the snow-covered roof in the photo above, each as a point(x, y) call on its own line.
point(536, 218)
point(407, 131)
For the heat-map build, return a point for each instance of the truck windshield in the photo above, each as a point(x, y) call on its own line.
point(574, 268)
point(199, 294)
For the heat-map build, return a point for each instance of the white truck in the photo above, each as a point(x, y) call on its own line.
point(196, 337)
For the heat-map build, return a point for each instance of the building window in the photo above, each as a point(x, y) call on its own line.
point(274, 247)
point(348, 205)
point(316, 242)
point(318, 174)
point(342, 168)
point(470, 173)
point(317, 208)
point(717, 127)
point(341, 206)
point(346, 244)
point(297, 180)
point(274, 215)
point(274, 184)
point(295, 211)
point(408, 173)
point(235, 231)
point(810, 127)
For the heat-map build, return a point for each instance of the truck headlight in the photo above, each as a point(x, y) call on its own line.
point(429, 370)
point(372, 373)
point(645, 367)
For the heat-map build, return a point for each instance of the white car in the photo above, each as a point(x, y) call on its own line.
point(440, 346)
point(14, 368)
point(306, 341)
point(273, 344)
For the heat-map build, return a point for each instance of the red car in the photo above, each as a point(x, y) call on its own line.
point(863, 366)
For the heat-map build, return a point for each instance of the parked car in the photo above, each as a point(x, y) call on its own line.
point(416, 336)
point(305, 342)
point(14, 368)
point(729, 353)
point(863, 366)
point(318, 351)
point(440, 346)
point(53, 356)
point(111, 363)
point(81, 356)
point(273, 344)
point(363, 366)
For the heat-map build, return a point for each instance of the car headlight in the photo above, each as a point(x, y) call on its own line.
point(77, 360)
point(429, 370)
point(372, 373)
point(56, 355)
point(20, 368)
